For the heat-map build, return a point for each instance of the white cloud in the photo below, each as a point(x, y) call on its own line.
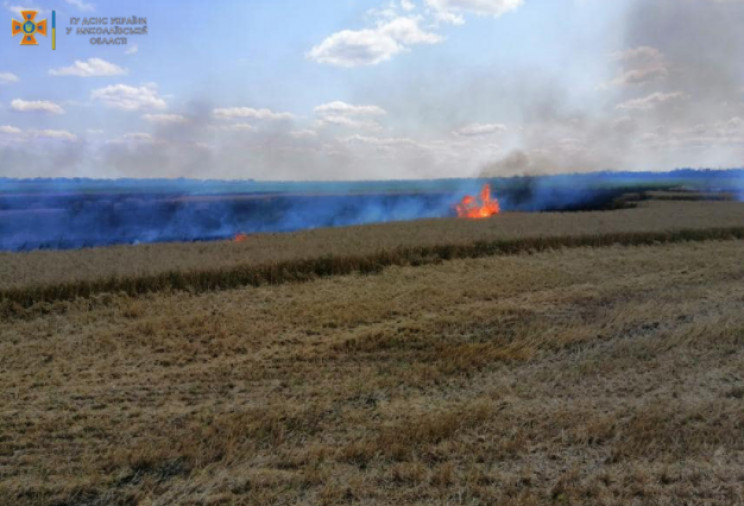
point(94, 67)
point(352, 48)
point(53, 134)
point(234, 127)
point(481, 7)
point(651, 101)
point(165, 119)
point(406, 30)
point(449, 17)
point(81, 5)
point(338, 107)
point(24, 135)
point(348, 115)
point(46, 106)
point(129, 98)
point(132, 49)
point(397, 30)
point(479, 129)
point(10, 130)
point(249, 112)
point(7, 78)
point(348, 122)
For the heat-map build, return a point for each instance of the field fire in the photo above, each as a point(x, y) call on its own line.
point(390, 252)
point(473, 209)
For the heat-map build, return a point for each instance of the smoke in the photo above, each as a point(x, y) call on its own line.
point(85, 213)
point(171, 149)
point(660, 85)
point(675, 99)
point(67, 214)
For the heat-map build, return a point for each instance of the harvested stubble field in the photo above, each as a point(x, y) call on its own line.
point(591, 375)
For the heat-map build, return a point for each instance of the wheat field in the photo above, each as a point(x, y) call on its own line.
point(28, 279)
point(590, 375)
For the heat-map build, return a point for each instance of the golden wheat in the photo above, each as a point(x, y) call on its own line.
point(44, 276)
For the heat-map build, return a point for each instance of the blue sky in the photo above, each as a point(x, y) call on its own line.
point(370, 89)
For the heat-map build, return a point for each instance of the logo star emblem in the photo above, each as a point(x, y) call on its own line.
point(29, 28)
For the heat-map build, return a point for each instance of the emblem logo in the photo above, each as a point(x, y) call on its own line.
point(29, 28)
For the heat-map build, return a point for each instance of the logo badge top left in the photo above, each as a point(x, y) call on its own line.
point(29, 27)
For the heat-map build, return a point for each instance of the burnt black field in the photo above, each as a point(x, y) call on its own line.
point(77, 213)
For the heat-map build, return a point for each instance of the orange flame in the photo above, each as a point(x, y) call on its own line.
point(469, 207)
point(240, 237)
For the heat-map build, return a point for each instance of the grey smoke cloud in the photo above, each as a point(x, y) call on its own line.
point(678, 98)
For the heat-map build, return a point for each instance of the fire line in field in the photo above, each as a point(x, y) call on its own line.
point(478, 208)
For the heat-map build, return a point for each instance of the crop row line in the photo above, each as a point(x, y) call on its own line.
point(202, 280)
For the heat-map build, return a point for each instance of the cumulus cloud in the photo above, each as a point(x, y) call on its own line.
point(165, 119)
point(339, 107)
point(53, 134)
point(651, 101)
point(353, 48)
point(132, 49)
point(44, 106)
point(234, 127)
point(397, 30)
point(479, 129)
point(93, 67)
point(229, 113)
point(348, 115)
point(10, 130)
point(8, 78)
point(129, 98)
point(20, 135)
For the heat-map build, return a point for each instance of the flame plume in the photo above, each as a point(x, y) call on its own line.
point(470, 208)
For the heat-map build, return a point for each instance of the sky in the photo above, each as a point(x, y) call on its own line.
point(374, 89)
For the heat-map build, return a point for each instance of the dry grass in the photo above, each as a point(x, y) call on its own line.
point(584, 376)
point(47, 276)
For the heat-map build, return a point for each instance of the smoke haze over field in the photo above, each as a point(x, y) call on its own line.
point(386, 90)
point(75, 213)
